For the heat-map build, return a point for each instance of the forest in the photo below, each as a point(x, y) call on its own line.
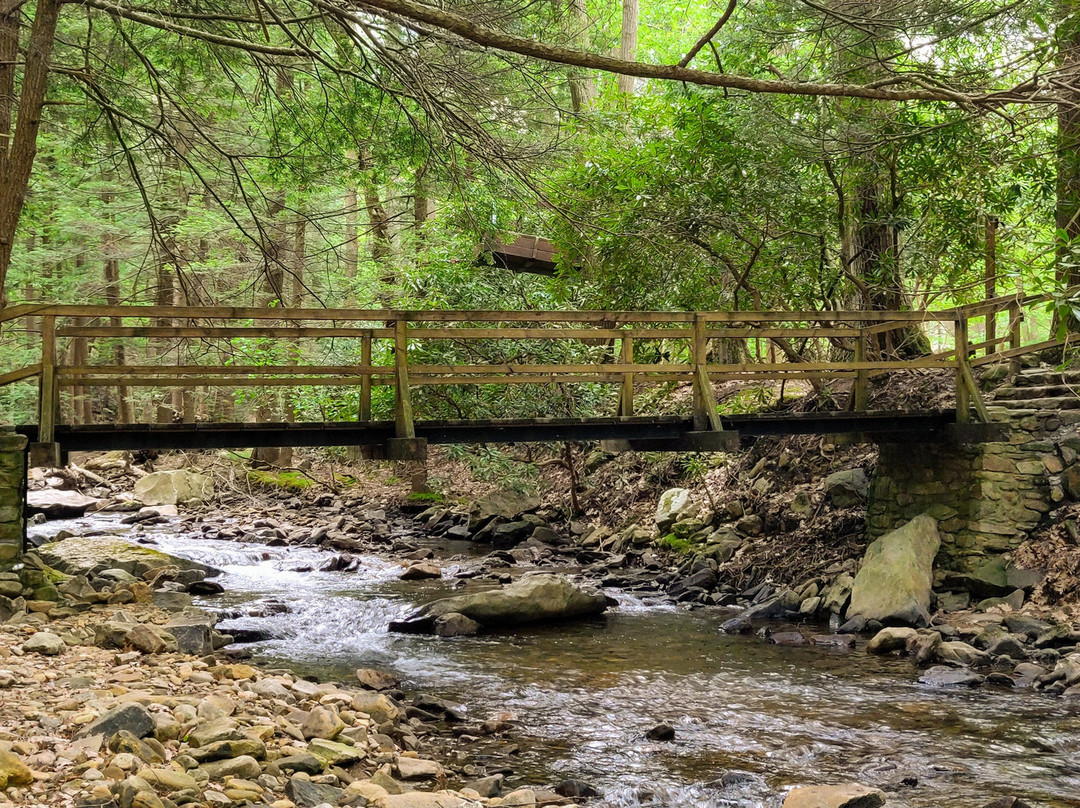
point(765, 154)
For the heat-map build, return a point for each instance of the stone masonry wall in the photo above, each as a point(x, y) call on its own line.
point(986, 497)
point(12, 495)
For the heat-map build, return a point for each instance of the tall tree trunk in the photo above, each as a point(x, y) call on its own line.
point(166, 295)
point(1068, 146)
point(352, 251)
point(582, 86)
point(19, 131)
point(276, 260)
point(81, 397)
point(421, 208)
point(628, 42)
point(125, 412)
point(875, 261)
point(378, 229)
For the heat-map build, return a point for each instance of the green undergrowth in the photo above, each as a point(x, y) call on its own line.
point(292, 480)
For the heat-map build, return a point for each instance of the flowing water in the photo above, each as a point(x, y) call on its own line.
point(583, 694)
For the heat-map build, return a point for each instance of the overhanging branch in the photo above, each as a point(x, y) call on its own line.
point(492, 38)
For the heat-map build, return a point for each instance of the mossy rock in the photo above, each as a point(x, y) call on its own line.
point(86, 555)
point(686, 528)
point(36, 578)
point(676, 545)
point(49, 593)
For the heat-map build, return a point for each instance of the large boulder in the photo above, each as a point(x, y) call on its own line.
point(894, 584)
point(173, 487)
point(673, 503)
point(56, 504)
point(533, 599)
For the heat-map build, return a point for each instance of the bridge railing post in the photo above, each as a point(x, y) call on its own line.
point(861, 389)
point(626, 393)
point(404, 428)
point(365, 380)
point(705, 415)
point(963, 397)
point(45, 452)
point(1016, 317)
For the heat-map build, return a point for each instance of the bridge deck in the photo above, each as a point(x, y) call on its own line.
point(642, 432)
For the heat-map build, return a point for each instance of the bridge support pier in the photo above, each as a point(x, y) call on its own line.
point(986, 497)
point(12, 496)
point(45, 456)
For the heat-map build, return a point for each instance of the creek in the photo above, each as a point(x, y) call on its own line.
point(583, 694)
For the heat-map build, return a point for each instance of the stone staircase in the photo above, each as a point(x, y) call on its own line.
point(1042, 390)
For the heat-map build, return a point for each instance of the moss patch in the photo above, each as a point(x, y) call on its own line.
point(292, 480)
point(426, 496)
point(676, 545)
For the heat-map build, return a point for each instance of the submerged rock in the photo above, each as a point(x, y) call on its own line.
point(894, 584)
point(851, 795)
point(661, 732)
point(942, 676)
point(456, 625)
point(533, 599)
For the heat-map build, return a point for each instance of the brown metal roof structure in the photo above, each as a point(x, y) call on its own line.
point(531, 254)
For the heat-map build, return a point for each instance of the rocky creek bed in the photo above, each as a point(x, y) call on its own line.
point(513, 714)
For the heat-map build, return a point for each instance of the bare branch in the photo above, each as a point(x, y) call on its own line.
point(707, 39)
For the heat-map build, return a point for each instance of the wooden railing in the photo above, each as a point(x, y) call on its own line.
point(855, 335)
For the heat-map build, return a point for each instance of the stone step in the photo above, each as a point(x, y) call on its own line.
point(1044, 376)
point(1041, 391)
point(1044, 404)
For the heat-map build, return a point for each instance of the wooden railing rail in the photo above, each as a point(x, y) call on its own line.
point(615, 338)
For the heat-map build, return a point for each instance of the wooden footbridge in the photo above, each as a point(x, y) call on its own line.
point(199, 350)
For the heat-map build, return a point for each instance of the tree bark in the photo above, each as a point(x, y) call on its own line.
point(275, 259)
point(582, 86)
point(352, 252)
point(1067, 218)
point(378, 229)
point(628, 42)
point(125, 412)
point(18, 138)
point(421, 207)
